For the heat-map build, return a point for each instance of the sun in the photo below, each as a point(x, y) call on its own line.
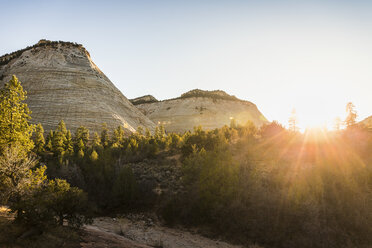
point(315, 121)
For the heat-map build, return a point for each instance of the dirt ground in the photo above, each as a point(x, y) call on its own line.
point(149, 234)
point(133, 231)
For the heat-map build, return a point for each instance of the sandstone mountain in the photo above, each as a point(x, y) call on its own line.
point(62, 82)
point(210, 109)
point(367, 121)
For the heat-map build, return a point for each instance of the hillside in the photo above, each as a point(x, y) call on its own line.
point(210, 109)
point(367, 121)
point(62, 82)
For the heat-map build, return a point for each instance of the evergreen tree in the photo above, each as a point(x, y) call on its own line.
point(96, 144)
point(59, 139)
point(62, 127)
point(118, 138)
point(233, 123)
point(105, 135)
point(49, 145)
point(93, 156)
point(293, 121)
point(133, 145)
point(14, 117)
point(351, 114)
point(148, 134)
point(80, 145)
point(39, 139)
point(337, 123)
point(69, 146)
point(139, 130)
point(81, 154)
point(159, 132)
point(82, 133)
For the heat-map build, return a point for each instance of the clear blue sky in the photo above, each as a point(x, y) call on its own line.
point(314, 56)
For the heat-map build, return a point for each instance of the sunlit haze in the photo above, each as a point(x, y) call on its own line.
point(314, 56)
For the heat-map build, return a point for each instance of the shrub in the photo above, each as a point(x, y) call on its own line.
point(45, 203)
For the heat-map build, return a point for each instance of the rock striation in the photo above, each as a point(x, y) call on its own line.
point(62, 82)
point(210, 109)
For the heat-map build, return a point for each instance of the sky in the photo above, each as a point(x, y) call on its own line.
point(312, 56)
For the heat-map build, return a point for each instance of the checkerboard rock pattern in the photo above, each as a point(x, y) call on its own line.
point(63, 83)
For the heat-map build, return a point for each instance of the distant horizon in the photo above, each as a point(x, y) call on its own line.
point(281, 55)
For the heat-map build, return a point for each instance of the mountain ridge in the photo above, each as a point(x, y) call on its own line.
point(210, 109)
point(64, 83)
point(214, 94)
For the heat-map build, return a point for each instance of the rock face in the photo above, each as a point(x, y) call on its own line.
point(367, 121)
point(210, 109)
point(143, 99)
point(62, 82)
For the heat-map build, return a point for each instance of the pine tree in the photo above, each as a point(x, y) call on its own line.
point(147, 133)
point(80, 145)
point(14, 117)
point(293, 121)
point(337, 123)
point(69, 146)
point(82, 133)
point(233, 123)
point(93, 156)
point(39, 139)
point(351, 114)
point(139, 130)
point(81, 154)
point(59, 139)
point(62, 127)
point(96, 144)
point(104, 135)
point(159, 132)
point(118, 138)
point(49, 145)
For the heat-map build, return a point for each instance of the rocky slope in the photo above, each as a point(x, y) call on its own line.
point(367, 121)
point(142, 230)
point(210, 109)
point(62, 82)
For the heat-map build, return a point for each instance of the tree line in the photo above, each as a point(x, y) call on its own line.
point(269, 185)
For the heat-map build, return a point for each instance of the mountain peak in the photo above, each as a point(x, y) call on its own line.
point(43, 43)
point(63, 83)
point(216, 94)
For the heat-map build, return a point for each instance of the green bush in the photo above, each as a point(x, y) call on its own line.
point(43, 203)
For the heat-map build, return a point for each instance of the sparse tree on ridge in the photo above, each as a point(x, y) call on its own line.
point(351, 114)
point(337, 123)
point(293, 121)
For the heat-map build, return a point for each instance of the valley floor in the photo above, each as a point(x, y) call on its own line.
point(123, 232)
point(132, 231)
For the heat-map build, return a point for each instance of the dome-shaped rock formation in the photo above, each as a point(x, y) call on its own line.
point(63, 83)
point(367, 122)
point(210, 109)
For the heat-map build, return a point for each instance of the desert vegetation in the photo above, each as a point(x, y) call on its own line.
point(268, 186)
point(42, 43)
